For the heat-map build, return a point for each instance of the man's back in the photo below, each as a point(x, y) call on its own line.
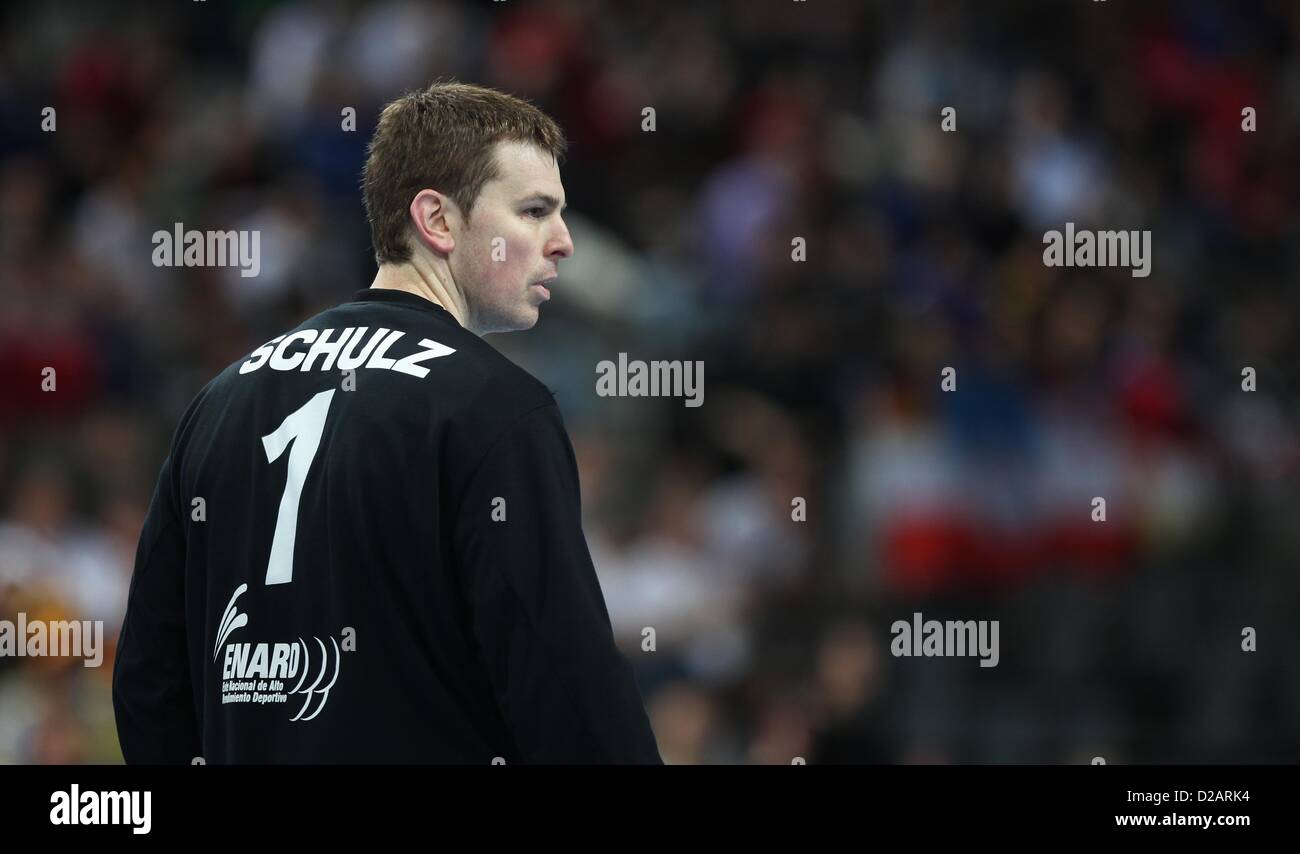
point(366, 546)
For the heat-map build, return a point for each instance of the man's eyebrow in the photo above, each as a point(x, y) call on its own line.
point(548, 199)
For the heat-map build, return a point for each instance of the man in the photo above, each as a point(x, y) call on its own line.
point(365, 544)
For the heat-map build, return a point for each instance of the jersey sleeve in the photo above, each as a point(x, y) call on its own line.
point(564, 688)
point(153, 698)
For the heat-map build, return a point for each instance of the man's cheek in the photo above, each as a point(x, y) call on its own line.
point(515, 267)
point(499, 281)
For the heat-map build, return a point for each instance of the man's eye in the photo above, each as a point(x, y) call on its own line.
point(536, 212)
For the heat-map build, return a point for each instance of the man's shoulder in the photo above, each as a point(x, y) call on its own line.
point(502, 389)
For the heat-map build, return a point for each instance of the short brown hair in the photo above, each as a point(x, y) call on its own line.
point(442, 138)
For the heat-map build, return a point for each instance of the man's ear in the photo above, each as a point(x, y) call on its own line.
point(433, 216)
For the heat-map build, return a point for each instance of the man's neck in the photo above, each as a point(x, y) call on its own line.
point(419, 278)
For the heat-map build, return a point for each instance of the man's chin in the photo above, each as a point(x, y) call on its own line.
point(525, 319)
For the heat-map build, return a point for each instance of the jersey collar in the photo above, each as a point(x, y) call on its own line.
point(391, 295)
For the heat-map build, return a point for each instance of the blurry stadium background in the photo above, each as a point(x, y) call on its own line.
point(775, 120)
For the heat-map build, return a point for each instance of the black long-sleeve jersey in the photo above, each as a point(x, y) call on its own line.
point(365, 545)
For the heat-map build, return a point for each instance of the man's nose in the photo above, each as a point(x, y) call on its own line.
point(561, 244)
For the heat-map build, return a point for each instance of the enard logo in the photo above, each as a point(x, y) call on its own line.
point(257, 673)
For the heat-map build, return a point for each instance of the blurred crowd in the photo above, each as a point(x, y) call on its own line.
point(829, 485)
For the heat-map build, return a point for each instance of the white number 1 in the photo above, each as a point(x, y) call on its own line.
point(303, 428)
